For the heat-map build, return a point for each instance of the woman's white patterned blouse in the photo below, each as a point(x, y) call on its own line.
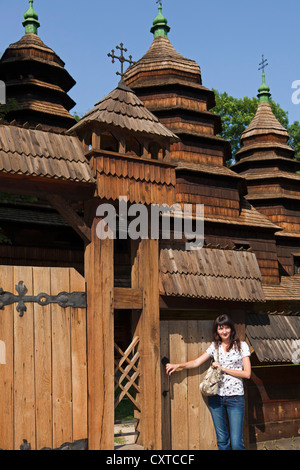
point(233, 359)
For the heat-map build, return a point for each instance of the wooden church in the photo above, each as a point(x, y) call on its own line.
point(86, 321)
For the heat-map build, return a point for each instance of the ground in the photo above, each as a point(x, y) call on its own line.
point(128, 442)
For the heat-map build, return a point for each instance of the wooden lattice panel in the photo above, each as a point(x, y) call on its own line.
point(127, 365)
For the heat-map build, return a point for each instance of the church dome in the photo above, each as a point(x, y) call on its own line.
point(36, 79)
point(162, 59)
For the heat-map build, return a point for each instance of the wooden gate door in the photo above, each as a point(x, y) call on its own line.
point(186, 420)
point(43, 376)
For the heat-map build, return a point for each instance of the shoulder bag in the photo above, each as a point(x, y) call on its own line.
point(210, 383)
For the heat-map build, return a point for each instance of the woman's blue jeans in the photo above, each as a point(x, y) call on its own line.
point(234, 406)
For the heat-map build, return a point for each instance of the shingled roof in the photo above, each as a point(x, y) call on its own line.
point(288, 289)
point(264, 122)
point(162, 56)
point(122, 108)
point(33, 152)
point(41, 94)
point(213, 274)
point(274, 338)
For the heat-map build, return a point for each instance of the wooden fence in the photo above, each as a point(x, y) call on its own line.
point(43, 367)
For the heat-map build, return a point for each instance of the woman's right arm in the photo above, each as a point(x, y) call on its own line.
point(170, 368)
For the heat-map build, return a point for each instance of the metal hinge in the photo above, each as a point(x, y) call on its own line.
point(63, 299)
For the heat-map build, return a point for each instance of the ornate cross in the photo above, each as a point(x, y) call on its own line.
point(121, 58)
point(263, 64)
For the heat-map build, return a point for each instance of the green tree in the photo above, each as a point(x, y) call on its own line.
point(294, 131)
point(11, 105)
point(77, 116)
point(237, 113)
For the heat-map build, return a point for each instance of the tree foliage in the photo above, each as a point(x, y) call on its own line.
point(237, 113)
point(11, 105)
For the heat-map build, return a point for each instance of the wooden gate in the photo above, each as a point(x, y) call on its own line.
point(186, 420)
point(43, 376)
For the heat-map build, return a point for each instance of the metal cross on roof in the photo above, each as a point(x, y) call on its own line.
point(121, 58)
point(263, 64)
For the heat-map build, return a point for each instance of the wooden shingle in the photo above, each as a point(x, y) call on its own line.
point(213, 274)
point(274, 338)
point(264, 122)
point(38, 153)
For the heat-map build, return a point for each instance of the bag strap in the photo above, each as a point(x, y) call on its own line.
point(217, 353)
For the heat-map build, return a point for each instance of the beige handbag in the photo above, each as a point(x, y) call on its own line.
point(210, 383)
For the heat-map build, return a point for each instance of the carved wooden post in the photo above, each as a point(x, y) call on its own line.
point(99, 264)
point(145, 275)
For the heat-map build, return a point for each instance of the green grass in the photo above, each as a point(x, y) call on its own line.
point(124, 410)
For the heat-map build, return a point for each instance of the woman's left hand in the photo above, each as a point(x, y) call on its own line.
point(215, 365)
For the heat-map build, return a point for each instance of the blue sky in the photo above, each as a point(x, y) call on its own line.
point(226, 38)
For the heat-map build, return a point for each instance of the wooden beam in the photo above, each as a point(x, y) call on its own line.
point(68, 213)
point(43, 186)
point(99, 275)
point(128, 299)
point(145, 276)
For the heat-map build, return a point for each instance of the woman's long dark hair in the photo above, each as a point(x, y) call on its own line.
point(222, 320)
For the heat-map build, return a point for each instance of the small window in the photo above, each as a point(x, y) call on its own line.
point(296, 264)
point(109, 142)
point(154, 150)
point(133, 147)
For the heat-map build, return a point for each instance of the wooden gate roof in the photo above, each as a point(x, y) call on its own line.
point(274, 338)
point(33, 152)
point(207, 273)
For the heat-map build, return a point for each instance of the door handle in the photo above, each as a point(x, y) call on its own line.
point(165, 360)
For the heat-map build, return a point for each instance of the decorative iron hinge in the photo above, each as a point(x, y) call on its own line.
point(63, 299)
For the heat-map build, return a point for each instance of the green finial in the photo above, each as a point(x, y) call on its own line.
point(30, 22)
point(263, 91)
point(160, 26)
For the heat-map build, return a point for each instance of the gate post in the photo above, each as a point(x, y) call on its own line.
point(145, 275)
point(99, 274)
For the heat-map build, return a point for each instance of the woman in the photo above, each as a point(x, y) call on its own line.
point(234, 360)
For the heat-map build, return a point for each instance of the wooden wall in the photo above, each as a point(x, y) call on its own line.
point(273, 403)
point(141, 180)
point(186, 419)
point(192, 151)
point(41, 256)
point(218, 197)
point(285, 215)
point(43, 383)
